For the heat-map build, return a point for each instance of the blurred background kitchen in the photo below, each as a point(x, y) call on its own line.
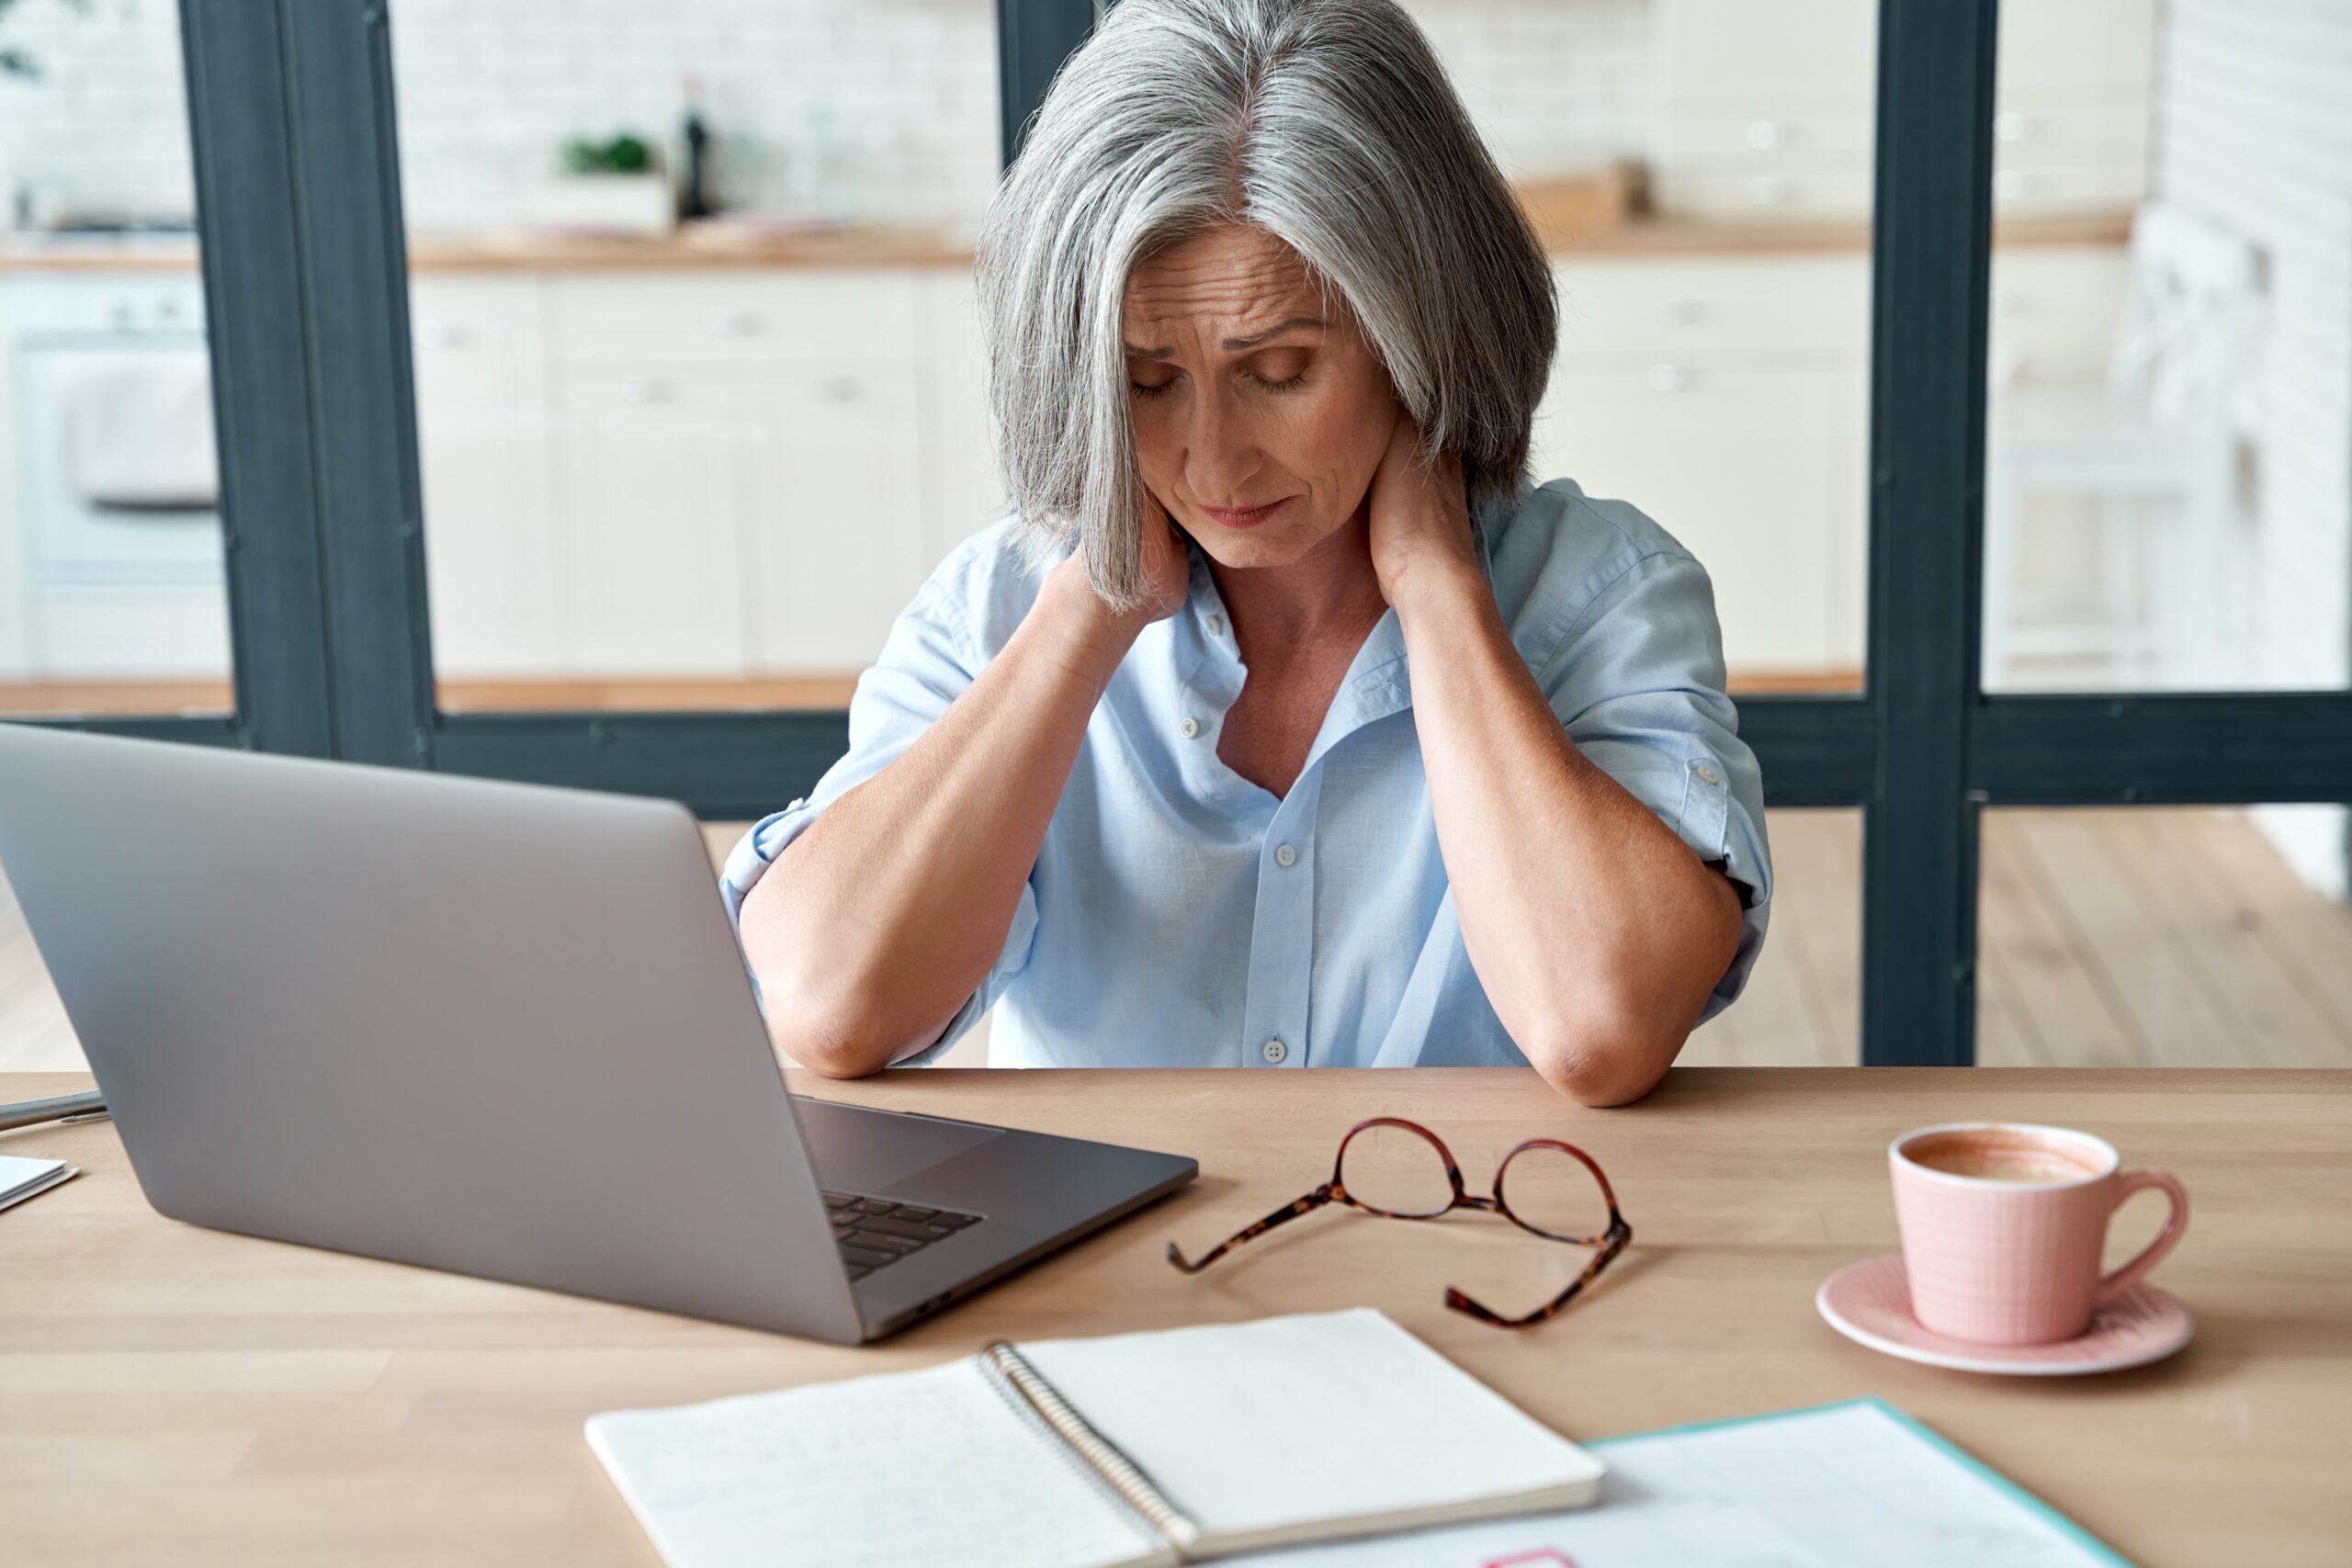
point(699, 396)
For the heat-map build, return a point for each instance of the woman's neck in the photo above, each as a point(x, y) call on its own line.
point(1329, 593)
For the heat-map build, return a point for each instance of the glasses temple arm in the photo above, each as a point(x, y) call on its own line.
point(1613, 1243)
point(1291, 1211)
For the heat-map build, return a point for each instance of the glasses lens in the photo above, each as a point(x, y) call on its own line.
point(1397, 1171)
point(1553, 1191)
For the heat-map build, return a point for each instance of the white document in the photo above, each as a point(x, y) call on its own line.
point(1233, 1438)
point(21, 1178)
point(1853, 1486)
point(889, 1472)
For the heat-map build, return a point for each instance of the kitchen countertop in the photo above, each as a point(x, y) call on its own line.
point(524, 251)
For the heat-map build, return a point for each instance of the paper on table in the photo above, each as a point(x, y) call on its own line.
point(1852, 1485)
point(21, 1177)
point(921, 1467)
point(1258, 1426)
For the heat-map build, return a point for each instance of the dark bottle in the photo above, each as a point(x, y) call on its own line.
point(694, 190)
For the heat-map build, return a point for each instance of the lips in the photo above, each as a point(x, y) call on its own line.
point(1246, 517)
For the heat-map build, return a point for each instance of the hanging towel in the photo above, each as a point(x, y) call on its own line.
point(138, 429)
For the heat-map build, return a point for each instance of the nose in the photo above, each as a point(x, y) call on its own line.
point(1221, 450)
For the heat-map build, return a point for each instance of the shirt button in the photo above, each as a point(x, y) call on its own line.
point(1189, 728)
point(1276, 1050)
point(1708, 775)
point(1285, 855)
point(1217, 626)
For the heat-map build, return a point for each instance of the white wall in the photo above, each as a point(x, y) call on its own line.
point(2255, 129)
point(489, 88)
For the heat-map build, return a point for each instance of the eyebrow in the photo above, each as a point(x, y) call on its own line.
point(1235, 344)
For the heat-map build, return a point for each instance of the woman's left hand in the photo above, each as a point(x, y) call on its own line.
point(1419, 517)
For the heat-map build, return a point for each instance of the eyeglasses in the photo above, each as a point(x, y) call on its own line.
point(1400, 1170)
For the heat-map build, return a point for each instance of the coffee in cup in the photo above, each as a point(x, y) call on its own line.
point(2002, 1223)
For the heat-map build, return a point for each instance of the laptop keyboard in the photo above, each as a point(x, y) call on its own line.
point(874, 1233)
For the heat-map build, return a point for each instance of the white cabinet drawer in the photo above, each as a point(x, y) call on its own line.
point(1773, 136)
point(1712, 189)
point(2087, 188)
point(1670, 305)
point(2025, 137)
point(731, 317)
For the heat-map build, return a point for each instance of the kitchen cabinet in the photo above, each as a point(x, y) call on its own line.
point(836, 546)
point(653, 470)
point(742, 458)
point(1727, 397)
point(738, 472)
point(1757, 470)
point(483, 440)
point(1766, 110)
point(962, 492)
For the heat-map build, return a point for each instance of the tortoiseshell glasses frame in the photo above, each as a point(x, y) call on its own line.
point(1611, 1240)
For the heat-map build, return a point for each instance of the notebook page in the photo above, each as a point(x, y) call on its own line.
point(823, 1476)
point(1850, 1486)
point(1257, 1427)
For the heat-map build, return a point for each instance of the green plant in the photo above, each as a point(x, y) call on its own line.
point(15, 62)
point(622, 155)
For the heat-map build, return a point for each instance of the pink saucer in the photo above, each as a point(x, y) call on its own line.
point(1869, 1302)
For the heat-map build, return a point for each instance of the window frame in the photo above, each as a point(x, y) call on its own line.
point(291, 109)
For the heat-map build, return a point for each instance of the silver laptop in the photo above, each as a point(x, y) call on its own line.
point(496, 1028)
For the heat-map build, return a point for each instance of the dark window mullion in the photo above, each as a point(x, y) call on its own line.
point(1931, 234)
point(250, 254)
point(362, 385)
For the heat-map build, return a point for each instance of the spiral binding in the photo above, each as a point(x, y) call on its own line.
point(1101, 1456)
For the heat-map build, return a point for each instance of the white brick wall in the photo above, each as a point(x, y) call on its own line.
point(489, 88)
point(2255, 129)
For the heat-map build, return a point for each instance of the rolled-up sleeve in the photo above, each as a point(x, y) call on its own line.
point(925, 664)
point(1638, 683)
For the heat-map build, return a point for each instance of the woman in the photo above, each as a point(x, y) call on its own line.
point(1284, 723)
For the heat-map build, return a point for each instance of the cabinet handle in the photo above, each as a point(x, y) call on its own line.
point(730, 321)
point(1667, 378)
point(2010, 124)
point(2008, 185)
point(1764, 135)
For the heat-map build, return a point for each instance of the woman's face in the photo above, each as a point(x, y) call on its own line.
point(1259, 422)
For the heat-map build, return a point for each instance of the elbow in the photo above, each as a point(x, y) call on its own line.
point(832, 1036)
point(1603, 1057)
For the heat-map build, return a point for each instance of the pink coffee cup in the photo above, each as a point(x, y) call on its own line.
point(2002, 1223)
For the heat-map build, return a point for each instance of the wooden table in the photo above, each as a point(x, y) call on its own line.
point(170, 1394)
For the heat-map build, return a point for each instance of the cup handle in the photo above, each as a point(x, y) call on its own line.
point(2116, 1281)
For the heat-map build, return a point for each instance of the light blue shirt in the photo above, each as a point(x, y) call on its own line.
point(1181, 916)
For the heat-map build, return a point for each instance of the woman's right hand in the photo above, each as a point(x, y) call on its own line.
point(1167, 577)
point(1166, 568)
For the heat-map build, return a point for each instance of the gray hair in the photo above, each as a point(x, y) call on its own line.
point(1328, 124)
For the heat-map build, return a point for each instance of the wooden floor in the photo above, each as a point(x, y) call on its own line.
point(2109, 937)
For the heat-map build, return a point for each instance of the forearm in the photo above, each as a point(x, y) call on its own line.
point(876, 924)
point(1596, 933)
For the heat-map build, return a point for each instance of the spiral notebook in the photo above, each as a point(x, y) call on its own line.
point(1120, 1452)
